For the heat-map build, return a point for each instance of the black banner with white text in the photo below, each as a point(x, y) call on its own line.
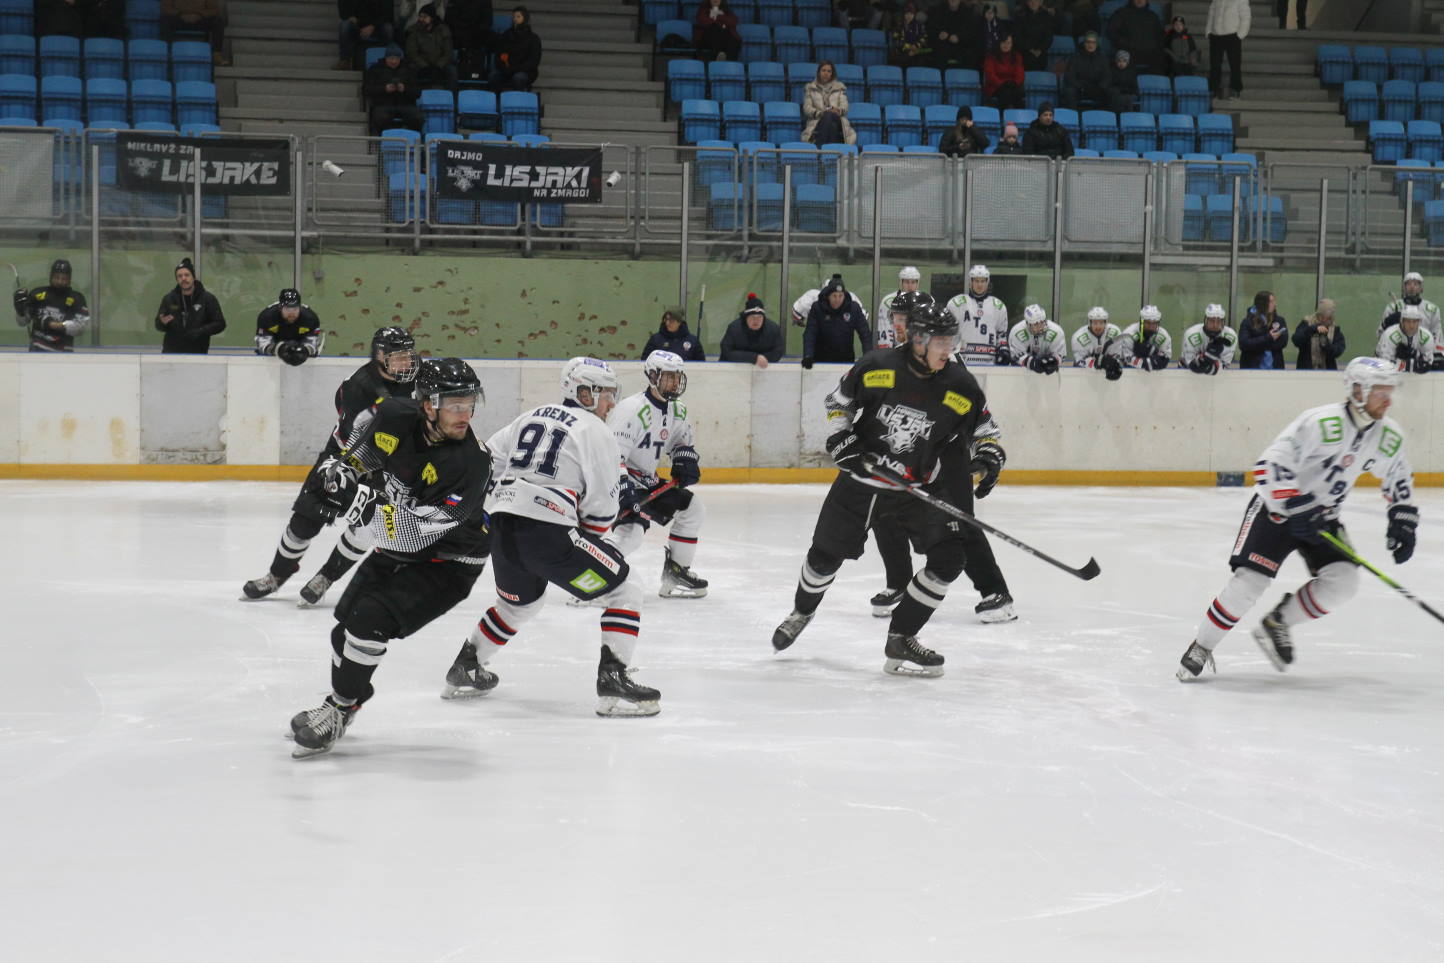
point(229, 165)
point(478, 170)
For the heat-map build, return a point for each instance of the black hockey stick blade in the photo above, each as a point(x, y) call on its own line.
point(1348, 550)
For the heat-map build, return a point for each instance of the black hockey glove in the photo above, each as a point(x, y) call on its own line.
point(1404, 353)
point(1043, 364)
point(1142, 348)
point(685, 468)
point(1438, 361)
point(1423, 364)
point(807, 364)
point(22, 302)
point(1203, 364)
point(1157, 361)
point(1112, 367)
point(846, 450)
point(1306, 519)
point(342, 495)
point(292, 352)
point(1003, 355)
point(988, 461)
point(1403, 520)
point(630, 496)
point(662, 508)
point(1217, 346)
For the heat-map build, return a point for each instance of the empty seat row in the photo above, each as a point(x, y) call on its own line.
point(104, 101)
point(101, 57)
point(1399, 100)
point(1392, 141)
point(1339, 63)
point(1210, 218)
point(515, 111)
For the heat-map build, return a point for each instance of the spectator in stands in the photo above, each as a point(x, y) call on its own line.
point(1035, 25)
point(1180, 49)
point(714, 31)
point(206, 16)
point(963, 138)
point(189, 314)
point(909, 45)
point(366, 23)
point(1138, 30)
point(1046, 138)
point(1124, 80)
point(1301, 13)
point(1319, 340)
point(831, 324)
point(672, 335)
point(1009, 144)
point(407, 11)
point(64, 18)
point(1227, 26)
point(752, 338)
point(428, 50)
point(519, 54)
point(824, 109)
point(1084, 17)
point(390, 89)
point(956, 32)
point(993, 29)
point(858, 14)
point(1088, 77)
point(1263, 334)
point(1003, 76)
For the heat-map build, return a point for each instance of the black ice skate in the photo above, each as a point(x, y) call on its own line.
point(680, 582)
point(618, 695)
point(1272, 635)
point(467, 677)
point(1190, 667)
point(791, 627)
point(907, 656)
point(313, 590)
point(997, 607)
point(319, 728)
point(885, 601)
point(259, 588)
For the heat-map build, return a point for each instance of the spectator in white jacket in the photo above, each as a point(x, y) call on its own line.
point(1228, 23)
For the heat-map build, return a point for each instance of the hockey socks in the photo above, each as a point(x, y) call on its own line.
point(288, 554)
point(925, 592)
point(817, 576)
point(1224, 612)
point(1334, 585)
point(350, 549)
point(681, 549)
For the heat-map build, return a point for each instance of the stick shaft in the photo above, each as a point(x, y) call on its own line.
point(1354, 556)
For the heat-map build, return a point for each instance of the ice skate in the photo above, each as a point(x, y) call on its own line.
point(907, 656)
point(313, 590)
point(885, 601)
point(259, 588)
point(997, 607)
point(680, 582)
point(1191, 666)
point(1272, 635)
point(467, 677)
point(317, 730)
point(791, 627)
point(618, 695)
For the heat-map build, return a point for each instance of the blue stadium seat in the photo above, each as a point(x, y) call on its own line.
point(716, 161)
point(829, 157)
point(107, 102)
point(1119, 154)
point(1434, 221)
point(59, 57)
point(882, 149)
point(1371, 63)
point(759, 161)
point(17, 54)
point(1387, 139)
point(990, 121)
point(803, 159)
point(195, 103)
point(1218, 211)
point(725, 203)
point(1215, 133)
point(1155, 94)
point(1431, 101)
point(1398, 98)
point(1060, 50)
point(1021, 117)
point(1237, 165)
point(142, 19)
point(1200, 173)
point(885, 85)
point(520, 112)
point(400, 196)
point(105, 57)
point(756, 42)
point(655, 11)
point(17, 17)
point(397, 143)
point(1406, 63)
point(925, 86)
point(61, 98)
point(869, 47)
point(1175, 133)
point(726, 80)
point(436, 106)
point(746, 10)
point(372, 57)
point(938, 119)
point(1079, 153)
point(1159, 156)
point(962, 86)
point(814, 208)
point(866, 120)
point(1421, 174)
point(1434, 63)
point(1193, 224)
point(854, 78)
point(488, 137)
point(792, 44)
point(1361, 101)
point(148, 60)
point(501, 22)
point(156, 127)
point(1069, 120)
point(904, 124)
point(1275, 224)
point(812, 13)
point(1190, 95)
point(829, 43)
point(190, 60)
point(1137, 132)
point(672, 35)
point(686, 80)
point(1335, 62)
point(920, 149)
point(152, 100)
point(531, 140)
point(477, 110)
point(701, 120)
point(766, 80)
point(1100, 129)
point(199, 130)
point(1040, 87)
point(1426, 141)
point(742, 120)
point(782, 121)
point(799, 75)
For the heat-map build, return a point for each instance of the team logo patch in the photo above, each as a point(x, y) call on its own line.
point(588, 582)
point(904, 426)
point(386, 443)
point(879, 379)
point(1390, 442)
point(428, 474)
point(957, 402)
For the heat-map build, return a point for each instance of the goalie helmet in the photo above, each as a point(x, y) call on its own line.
point(390, 341)
point(443, 377)
point(660, 363)
point(590, 373)
point(1097, 313)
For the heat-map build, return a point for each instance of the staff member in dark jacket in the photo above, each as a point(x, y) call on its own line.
point(188, 315)
point(830, 327)
point(1046, 137)
point(519, 53)
point(672, 335)
point(752, 339)
point(1319, 340)
point(1263, 334)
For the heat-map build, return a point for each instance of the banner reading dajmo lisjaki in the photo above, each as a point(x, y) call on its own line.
point(229, 165)
point(480, 171)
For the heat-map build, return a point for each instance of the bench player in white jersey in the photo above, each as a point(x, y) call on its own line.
point(982, 320)
point(1145, 345)
point(909, 280)
point(1036, 343)
point(1300, 482)
point(803, 305)
point(1408, 345)
point(1209, 346)
point(557, 471)
point(1428, 314)
point(647, 426)
point(1090, 343)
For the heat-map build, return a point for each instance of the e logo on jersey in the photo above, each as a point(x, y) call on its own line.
point(588, 582)
point(904, 426)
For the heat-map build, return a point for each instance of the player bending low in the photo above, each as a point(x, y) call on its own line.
point(1301, 480)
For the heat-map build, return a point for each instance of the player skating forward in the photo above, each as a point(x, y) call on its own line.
point(1036, 343)
point(557, 473)
point(1145, 345)
point(416, 476)
point(389, 374)
point(648, 425)
point(1209, 346)
point(1301, 481)
point(1091, 343)
point(982, 319)
point(909, 280)
point(898, 408)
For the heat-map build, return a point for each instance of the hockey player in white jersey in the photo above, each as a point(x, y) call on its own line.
point(557, 471)
point(1408, 344)
point(1428, 314)
point(803, 305)
point(1145, 345)
point(909, 280)
point(982, 321)
point(647, 426)
point(1300, 482)
point(1036, 343)
point(1209, 346)
point(1091, 342)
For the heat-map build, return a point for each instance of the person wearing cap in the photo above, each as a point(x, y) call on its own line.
point(1124, 80)
point(964, 137)
point(1088, 78)
point(831, 324)
point(365, 23)
point(391, 90)
point(188, 315)
point(1413, 294)
point(673, 335)
point(1210, 345)
point(909, 279)
point(289, 329)
point(803, 305)
point(1009, 143)
point(1408, 343)
point(1137, 29)
point(1046, 137)
point(1320, 341)
point(519, 55)
point(1227, 25)
point(752, 338)
point(429, 49)
point(55, 313)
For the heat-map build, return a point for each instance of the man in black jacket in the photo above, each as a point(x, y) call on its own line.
point(367, 22)
point(391, 89)
point(1088, 79)
point(1138, 30)
point(956, 31)
point(672, 335)
point(188, 314)
point(1035, 25)
point(1047, 138)
point(752, 339)
point(519, 53)
point(964, 137)
point(830, 326)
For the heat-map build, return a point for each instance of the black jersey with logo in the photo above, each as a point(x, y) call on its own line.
point(365, 389)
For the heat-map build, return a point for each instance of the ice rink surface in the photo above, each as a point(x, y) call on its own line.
point(1057, 796)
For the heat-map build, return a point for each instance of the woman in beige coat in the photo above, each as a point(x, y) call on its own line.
point(826, 97)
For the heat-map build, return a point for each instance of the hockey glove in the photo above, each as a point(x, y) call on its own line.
point(292, 352)
point(1043, 364)
point(846, 451)
point(1157, 361)
point(1142, 348)
point(685, 468)
point(362, 507)
point(1403, 520)
point(1216, 347)
point(22, 302)
point(1422, 364)
point(662, 508)
point(807, 364)
point(1306, 519)
point(1203, 364)
point(1404, 353)
point(1003, 355)
point(988, 462)
point(1438, 361)
point(1112, 367)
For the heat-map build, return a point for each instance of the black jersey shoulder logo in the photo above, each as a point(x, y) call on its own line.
point(904, 426)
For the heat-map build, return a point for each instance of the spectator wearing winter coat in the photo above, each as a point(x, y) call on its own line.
point(824, 109)
point(207, 16)
point(752, 338)
point(1009, 143)
point(1046, 138)
point(831, 324)
point(470, 23)
point(519, 54)
point(1124, 79)
point(364, 23)
point(1088, 77)
point(672, 335)
point(908, 45)
point(1138, 30)
point(391, 90)
point(714, 31)
point(1035, 26)
point(188, 315)
point(1003, 76)
point(964, 137)
point(1227, 26)
point(993, 29)
point(1263, 334)
point(956, 32)
point(428, 50)
point(1180, 49)
point(1319, 340)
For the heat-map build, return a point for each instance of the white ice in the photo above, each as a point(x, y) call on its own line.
point(1056, 796)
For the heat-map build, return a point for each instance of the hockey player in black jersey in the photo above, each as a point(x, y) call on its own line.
point(54, 313)
point(416, 476)
point(898, 409)
point(289, 329)
point(388, 374)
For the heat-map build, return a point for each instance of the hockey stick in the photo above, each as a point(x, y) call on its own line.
point(701, 312)
point(655, 493)
point(1088, 571)
point(1353, 556)
point(15, 271)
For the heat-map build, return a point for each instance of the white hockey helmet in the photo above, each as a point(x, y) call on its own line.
point(1215, 311)
point(1411, 312)
point(979, 271)
point(592, 374)
point(1367, 373)
point(1097, 313)
point(1035, 318)
point(1150, 312)
point(909, 274)
point(658, 366)
point(1413, 276)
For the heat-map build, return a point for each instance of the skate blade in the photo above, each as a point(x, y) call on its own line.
point(1183, 675)
point(452, 692)
point(1267, 645)
point(301, 752)
point(611, 707)
point(678, 592)
point(305, 603)
point(900, 667)
point(882, 611)
point(997, 616)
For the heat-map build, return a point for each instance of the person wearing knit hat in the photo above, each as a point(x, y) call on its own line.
point(964, 137)
point(1047, 138)
point(429, 49)
point(189, 314)
point(1123, 75)
point(364, 23)
point(1009, 144)
point(831, 325)
point(390, 87)
point(519, 54)
point(752, 338)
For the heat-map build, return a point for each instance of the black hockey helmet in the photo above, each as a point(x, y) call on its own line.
point(932, 320)
point(289, 298)
point(393, 340)
point(909, 301)
point(440, 377)
point(60, 266)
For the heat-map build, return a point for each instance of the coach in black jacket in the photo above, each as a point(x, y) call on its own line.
point(830, 326)
point(188, 315)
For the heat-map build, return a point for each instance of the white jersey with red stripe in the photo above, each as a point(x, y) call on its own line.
point(647, 429)
point(556, 463)
point(1317, 459)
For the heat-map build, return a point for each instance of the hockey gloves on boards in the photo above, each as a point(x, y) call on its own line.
point(988, 462)
point(685, 466)
point(1043, 363)
point(1403, 520)
point(1307, 519)
point(1112, 367)
point(1423, 364)
point(292, 352)
point(1204, 364)
point(1003, 355)
point(807, 364)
